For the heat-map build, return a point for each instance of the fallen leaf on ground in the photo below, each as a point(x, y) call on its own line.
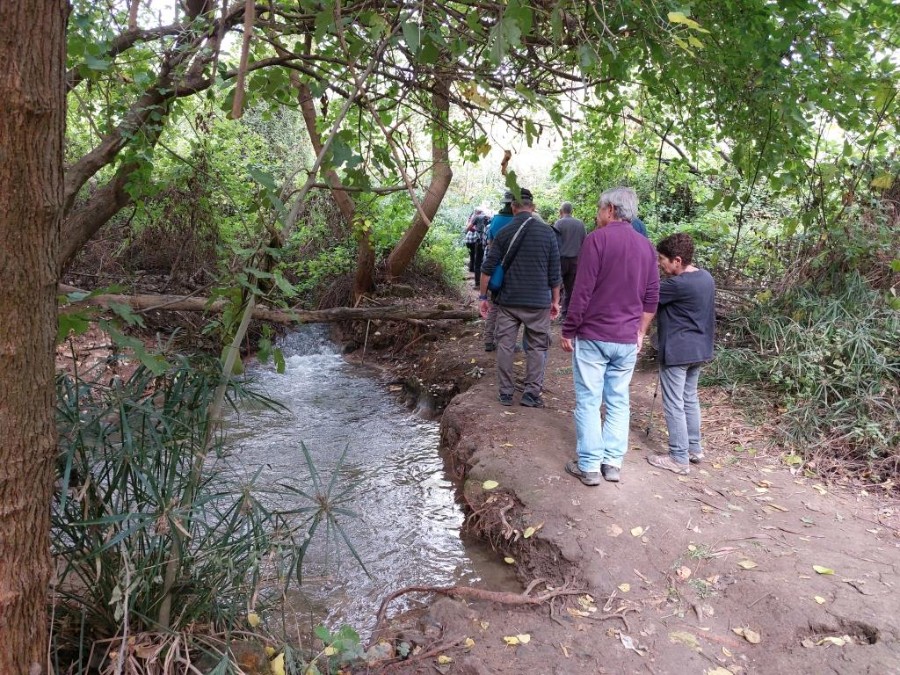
point(820, 489)
point(624, 587)
point(749, 635)
point(484, 624)
point(489, 484)
point(747, 564)
point(613, 530)
point(836, 641)
point(277, 664)
point(253, 619)
point(444, 660)
point(685, 638)
point(819, 599)
point(469, 642)
point(719, 670)
point(528, 532)
point(509, 561)
point(823, 570)
point(637, 531)
point(683, 572)
point(520, 639)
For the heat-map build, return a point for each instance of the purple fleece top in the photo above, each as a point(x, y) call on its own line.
point(616, 282)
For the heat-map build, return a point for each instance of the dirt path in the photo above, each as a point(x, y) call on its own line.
point(686, 574)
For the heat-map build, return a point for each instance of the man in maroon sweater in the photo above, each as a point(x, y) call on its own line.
point(613, 302)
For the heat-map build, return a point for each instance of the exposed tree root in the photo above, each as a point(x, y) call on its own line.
point(470, 593)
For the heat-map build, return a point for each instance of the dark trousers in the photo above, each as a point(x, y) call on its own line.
point(567, 266)
point(479, 258)
point(471, 246)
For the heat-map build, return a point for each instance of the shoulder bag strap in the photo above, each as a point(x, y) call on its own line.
point(513, 249)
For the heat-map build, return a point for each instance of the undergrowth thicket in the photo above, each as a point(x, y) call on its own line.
point(832, 363)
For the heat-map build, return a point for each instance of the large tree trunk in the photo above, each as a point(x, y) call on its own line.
point(406, 248)
point(32, 124)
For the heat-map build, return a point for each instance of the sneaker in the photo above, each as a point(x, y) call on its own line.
point(610, 473)
point(696, 457)
point(532, 401)
point(666, 462)
point(490, 347)
point(590, 478)
point(505, 399)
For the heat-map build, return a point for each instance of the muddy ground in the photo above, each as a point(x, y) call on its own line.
point(747, 565)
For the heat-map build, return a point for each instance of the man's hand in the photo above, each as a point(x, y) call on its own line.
point(554, 310)
point(566, 344)
point(640, 341)
point(483, 307)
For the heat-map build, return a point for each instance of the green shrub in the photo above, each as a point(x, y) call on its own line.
point(833, 362)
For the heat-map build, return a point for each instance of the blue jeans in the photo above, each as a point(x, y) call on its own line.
point(602, 371)
point(682, 409)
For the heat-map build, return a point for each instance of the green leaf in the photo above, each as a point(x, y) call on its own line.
point(513, 185)
point(76, 322)
point(278, 355)
point(411, 35)
point(679, 17)
point(126, 313)
point(895, 265)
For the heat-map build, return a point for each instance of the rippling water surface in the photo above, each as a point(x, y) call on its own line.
point(407, 528)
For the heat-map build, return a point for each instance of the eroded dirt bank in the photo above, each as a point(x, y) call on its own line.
point(688, 574)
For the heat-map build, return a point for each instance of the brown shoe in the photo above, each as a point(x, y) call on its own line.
point(666, 462)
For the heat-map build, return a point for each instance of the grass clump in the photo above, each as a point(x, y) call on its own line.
point(163, 558)
point(832, 363)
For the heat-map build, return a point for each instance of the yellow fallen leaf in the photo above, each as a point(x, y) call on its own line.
point(637, 531)
point(509, 561)
point(819, 599)
point(469, 643)
point(524, 638)
point(489, 484)
point(820, 489)
point(270, 652)
point(836, 641)
point(823, 570)
point(719, 670)
point(747, 564)
point(685, 638)
point(484, 624)
point(752, 636)
point(444, 660)
point(683, 572)
point(277, 664)
point(511, 639)
point(624, 587)
point(472, 361)
point(330, 650)
point(528, 532)
point(253, 619)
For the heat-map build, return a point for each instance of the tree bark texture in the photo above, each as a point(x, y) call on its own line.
point(441, 174)
point(178, 303)
point(32, 125)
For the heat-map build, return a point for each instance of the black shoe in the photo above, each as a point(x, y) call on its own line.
point(505, 399)
point(531, 401)
point(610, 473)
point(490, 347)
point(589, 478)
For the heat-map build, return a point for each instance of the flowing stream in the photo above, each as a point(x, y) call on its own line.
point(407, 525)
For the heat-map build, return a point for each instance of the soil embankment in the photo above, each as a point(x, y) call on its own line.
point(746, 565)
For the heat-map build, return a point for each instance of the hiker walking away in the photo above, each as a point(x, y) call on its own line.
point(612, 305)
point(686, 327)
point(571, 232)
point(471, 238)
point(528, 251)
point(479, 223)
point(500, 220)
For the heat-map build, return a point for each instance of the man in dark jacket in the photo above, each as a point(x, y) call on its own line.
point(529, 297)
point(687, 324)
point(571, 236)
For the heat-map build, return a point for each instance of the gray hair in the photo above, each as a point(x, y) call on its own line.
point(623, 200)
point(566, 207)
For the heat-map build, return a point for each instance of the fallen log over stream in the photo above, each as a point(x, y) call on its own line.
point(177, 303)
